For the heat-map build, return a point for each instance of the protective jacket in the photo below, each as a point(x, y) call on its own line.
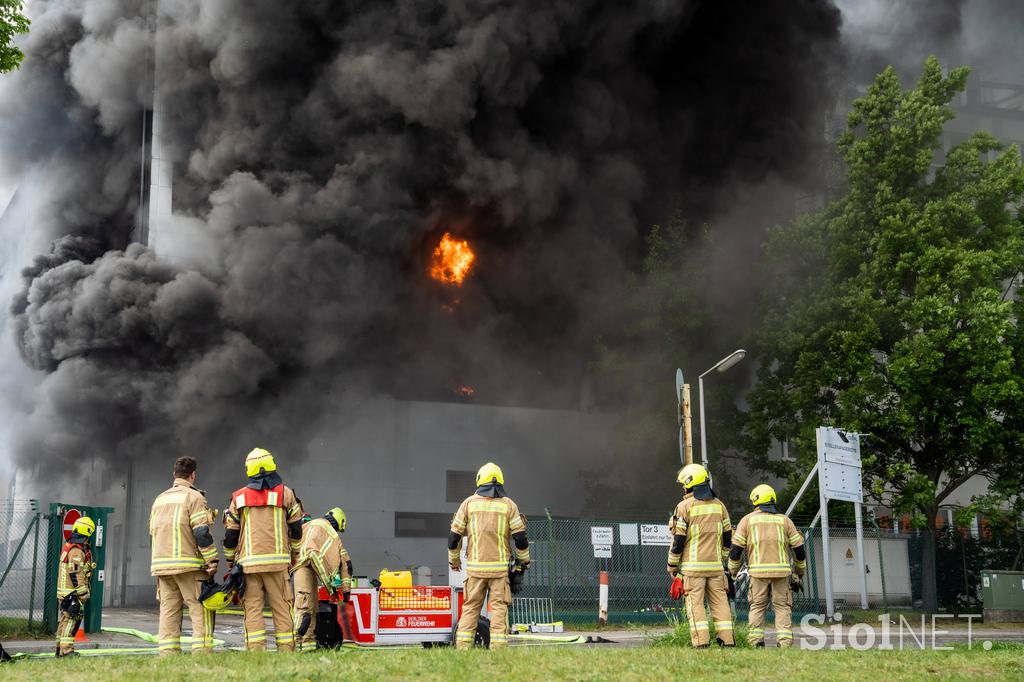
point(701, 533)
point(489, 524)
point(322, 550)
point(263, 528)
point(75, 570)
point(179, 526)
point(767, 538)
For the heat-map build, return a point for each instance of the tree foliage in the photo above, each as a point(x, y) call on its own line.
point(12, 22)
point(889, 313)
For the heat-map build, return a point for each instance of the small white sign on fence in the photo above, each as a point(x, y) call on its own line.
point(602, 551)
point(655, 534)
point(602, 535)
point(628, 534)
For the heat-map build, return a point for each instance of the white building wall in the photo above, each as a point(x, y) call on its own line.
point(387, 456)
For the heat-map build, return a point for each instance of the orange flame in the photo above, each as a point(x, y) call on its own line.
point(465, 391)
point(452, 260)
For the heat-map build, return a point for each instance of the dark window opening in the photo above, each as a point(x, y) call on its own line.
point(422, 525)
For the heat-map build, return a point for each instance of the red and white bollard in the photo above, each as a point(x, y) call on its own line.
point(602, 614)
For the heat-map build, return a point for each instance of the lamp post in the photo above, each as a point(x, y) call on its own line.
point(721, 366)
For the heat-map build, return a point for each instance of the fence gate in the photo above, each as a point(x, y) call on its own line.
point(61, 517)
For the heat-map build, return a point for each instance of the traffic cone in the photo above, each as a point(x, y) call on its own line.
point(80, 635)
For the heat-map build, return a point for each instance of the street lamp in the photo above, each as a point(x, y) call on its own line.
point(722, 365)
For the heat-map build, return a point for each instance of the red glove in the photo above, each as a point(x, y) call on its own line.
point(677, 590)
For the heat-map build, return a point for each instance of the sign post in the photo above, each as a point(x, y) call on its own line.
point(839, 478)
point(683, 417)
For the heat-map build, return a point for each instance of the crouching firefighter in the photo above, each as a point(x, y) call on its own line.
point(183, 558)
point(73, 575)
point(321, 556)
point(768, 537)
point(491, 523)
point(701, 533)
point(263, 526)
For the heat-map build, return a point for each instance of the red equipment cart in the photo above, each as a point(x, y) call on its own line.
point(381, 616)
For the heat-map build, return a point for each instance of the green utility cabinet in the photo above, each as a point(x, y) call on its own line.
point(60, 513)
point(1002, 593)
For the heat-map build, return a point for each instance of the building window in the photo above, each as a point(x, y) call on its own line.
point(422, 525)
point(458, 485)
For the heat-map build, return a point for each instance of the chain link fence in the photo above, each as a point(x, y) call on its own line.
point(567, 564)
point(23, 562)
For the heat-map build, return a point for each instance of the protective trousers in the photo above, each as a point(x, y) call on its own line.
point(174, 591)
point(716, 589)
point(66, 628)
point(306, 602)
point(477, 589)
point(273, 588)
point(777, 590)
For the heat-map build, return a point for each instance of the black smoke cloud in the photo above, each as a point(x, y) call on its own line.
point(320, 149)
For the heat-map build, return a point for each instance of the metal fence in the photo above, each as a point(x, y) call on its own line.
point(23, 561)
point(566, 568)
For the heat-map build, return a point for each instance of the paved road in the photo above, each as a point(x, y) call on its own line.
point(229, 629)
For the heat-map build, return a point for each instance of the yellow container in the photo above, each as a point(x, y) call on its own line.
point(395, 578)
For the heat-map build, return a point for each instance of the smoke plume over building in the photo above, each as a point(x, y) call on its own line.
point(320, 150)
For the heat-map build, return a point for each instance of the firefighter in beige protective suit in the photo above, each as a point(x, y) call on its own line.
point(183, 558)
point(491, 524)
point(73, 575)
point(263, 528)
point(768, 536)
point(321, 557)
point(701, 533)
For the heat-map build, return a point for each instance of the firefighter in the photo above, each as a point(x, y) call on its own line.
point(263, 528)
point(321, 556)
point(768, 537)
point(73, 574)
point(701, 533)
point(489, 520)
point(183, 558)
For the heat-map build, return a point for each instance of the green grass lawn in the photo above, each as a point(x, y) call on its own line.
point(540, 663)
point(17, 628)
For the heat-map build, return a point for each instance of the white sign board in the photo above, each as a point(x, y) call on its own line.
point(602, 551)
point(602, 535)
point(655, 534)
point(839, 464)
point(628, 534)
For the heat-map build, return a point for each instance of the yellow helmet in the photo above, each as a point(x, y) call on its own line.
point(340, 520)
point(691, 475)
point(84, 526)
point(489, 472)
point(763, 494)
point(259, 460)
point(215, 597)
point(217, 600)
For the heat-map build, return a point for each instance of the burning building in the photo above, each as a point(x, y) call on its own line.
point(380, 241)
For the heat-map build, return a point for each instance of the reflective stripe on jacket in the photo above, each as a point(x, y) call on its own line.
point(488, 523)
point(321, 548)
point(74, 560)
point(701, 523)
point(767, 538)
point(262, 522)
point(175, 514)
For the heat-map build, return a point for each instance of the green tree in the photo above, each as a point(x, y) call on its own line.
point(888, 311)
point(12, 22)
